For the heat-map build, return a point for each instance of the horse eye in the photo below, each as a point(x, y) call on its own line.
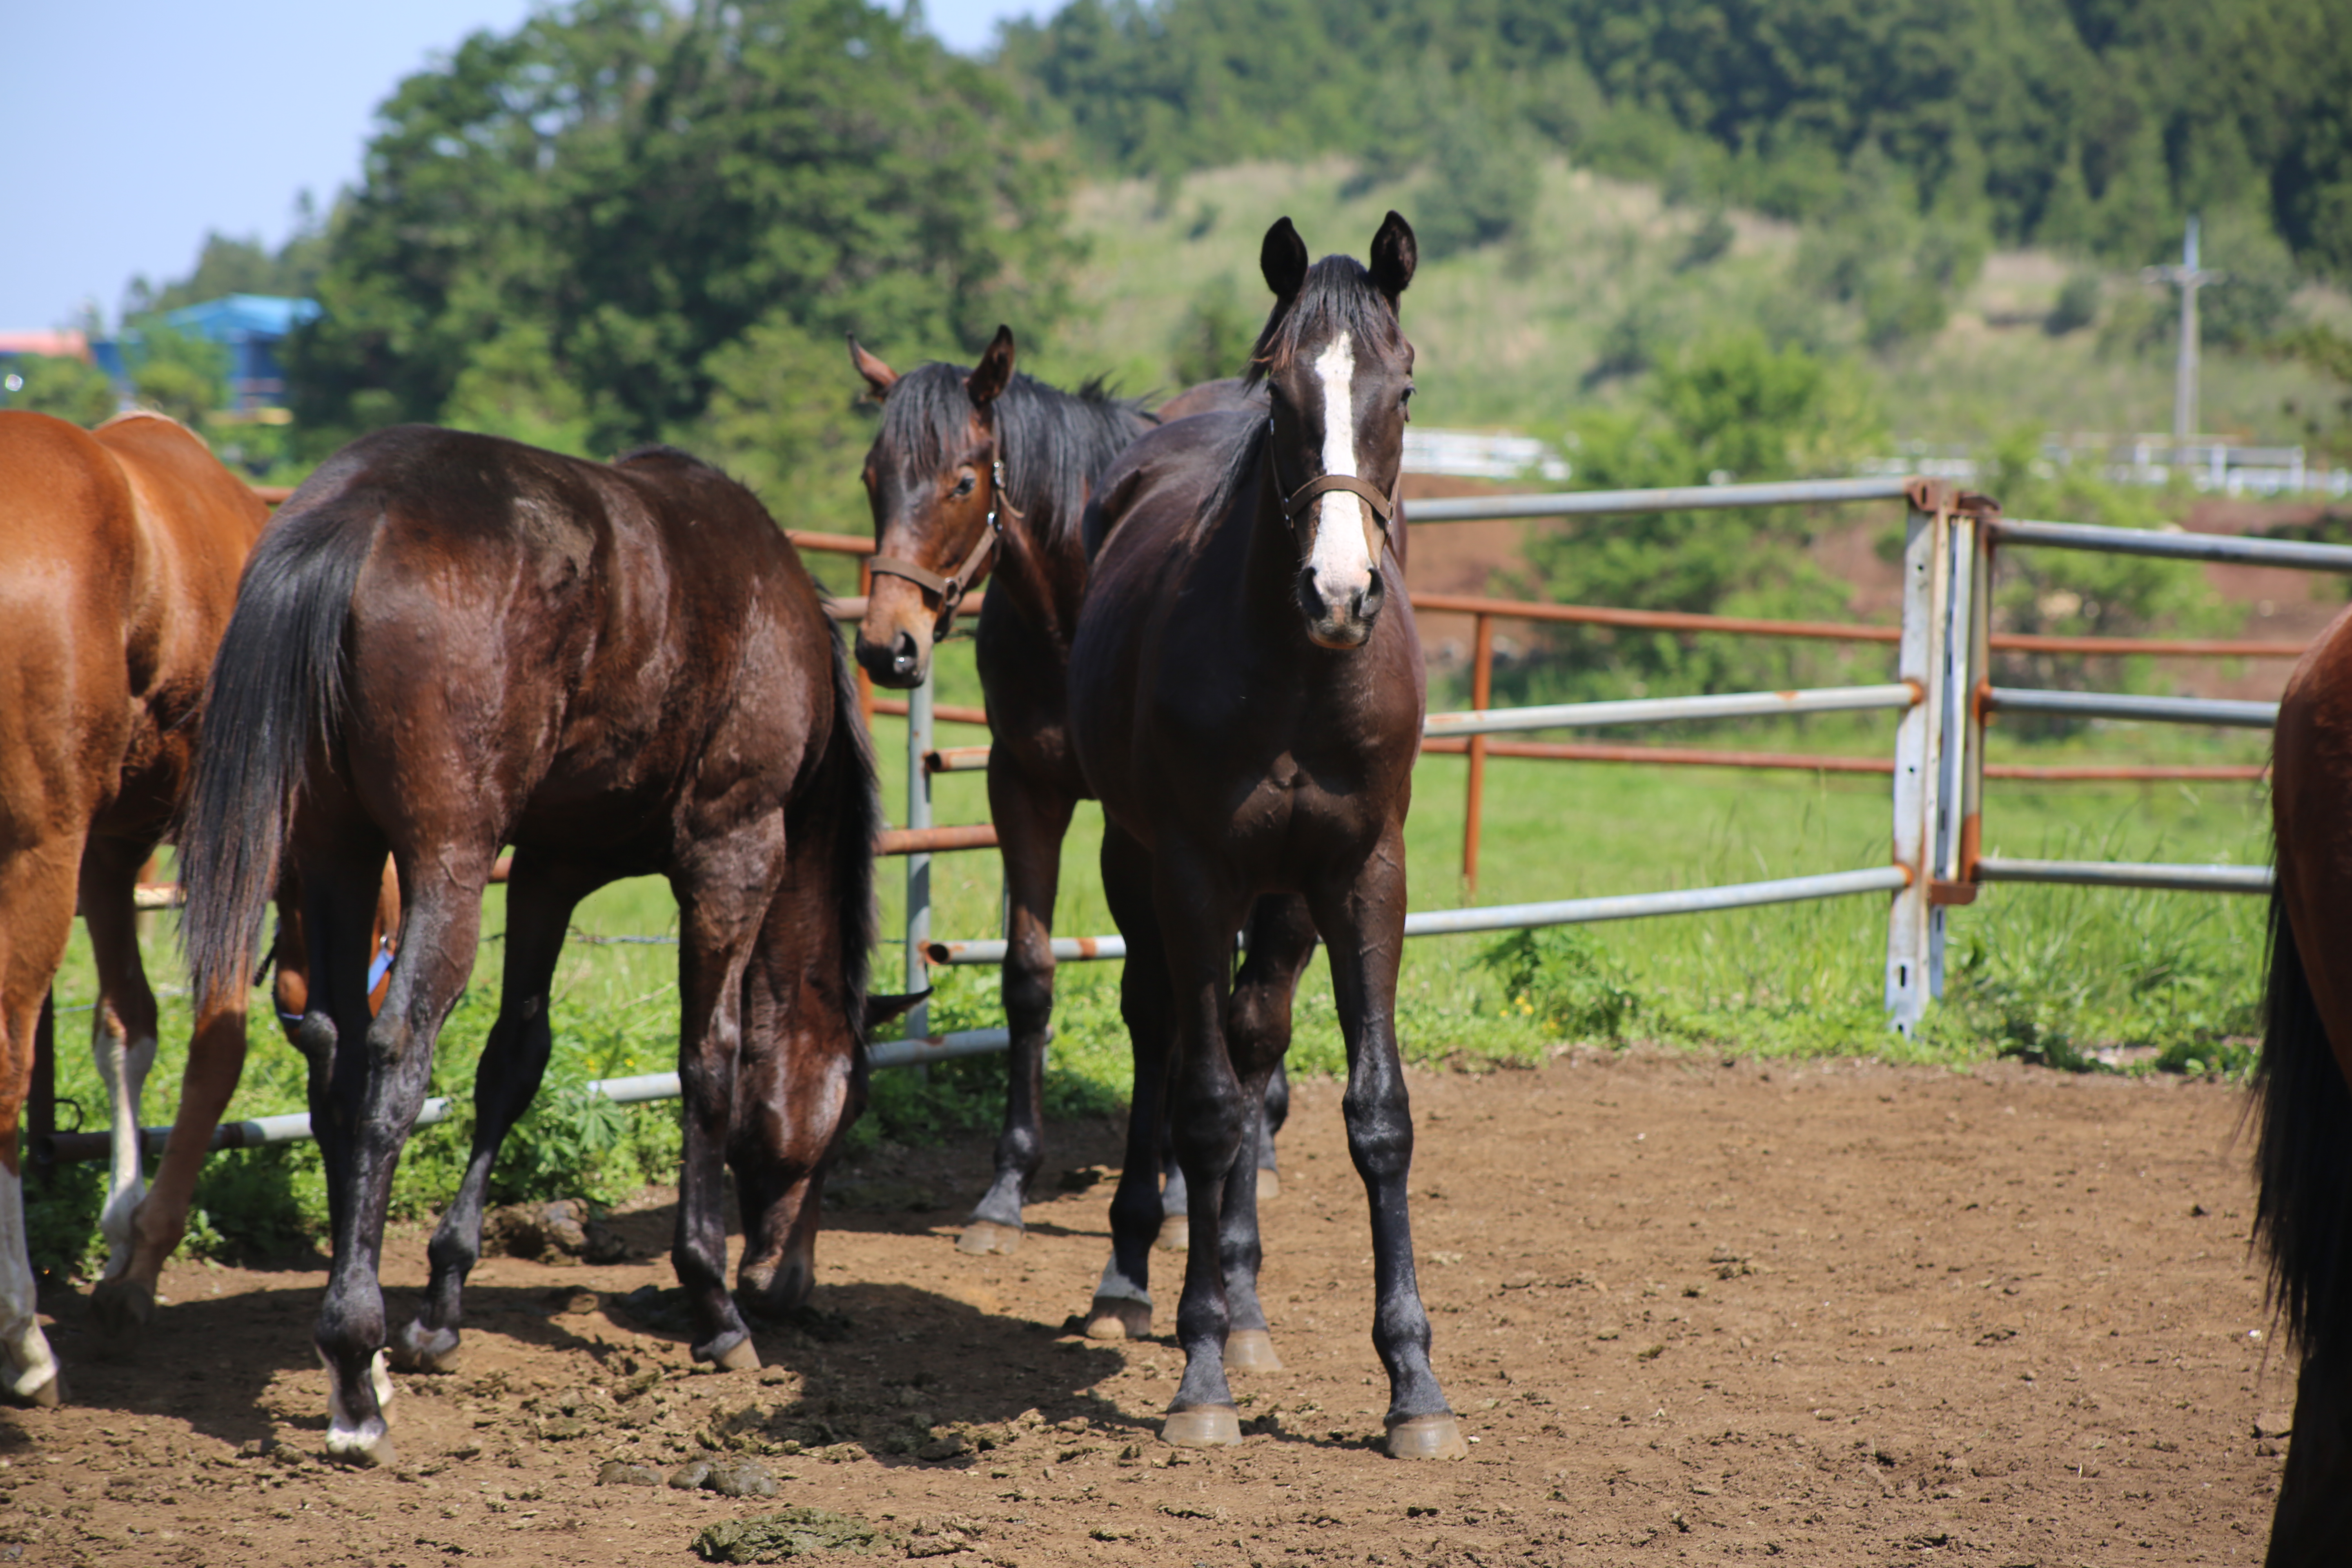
point(963, 486)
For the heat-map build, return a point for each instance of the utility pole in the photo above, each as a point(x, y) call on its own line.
point(2189, 278)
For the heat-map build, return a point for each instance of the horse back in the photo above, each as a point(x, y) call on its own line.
point(123, 547)
point(601, 646)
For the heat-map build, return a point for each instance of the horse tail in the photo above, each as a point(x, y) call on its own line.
point(274, 692)
point(2303, 1157)
point(848, 796)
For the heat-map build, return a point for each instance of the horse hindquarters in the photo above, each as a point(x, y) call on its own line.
point(2303, 1216)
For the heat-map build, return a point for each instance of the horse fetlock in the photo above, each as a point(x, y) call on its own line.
point(417, 1348)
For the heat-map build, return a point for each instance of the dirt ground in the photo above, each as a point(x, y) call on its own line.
point(1840, 1313)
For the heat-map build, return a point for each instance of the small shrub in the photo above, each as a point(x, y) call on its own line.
point(2077, 306)
point(1566, 979)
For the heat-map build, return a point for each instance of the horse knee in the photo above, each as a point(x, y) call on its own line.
point(1379, 1135)
point(1028, 991)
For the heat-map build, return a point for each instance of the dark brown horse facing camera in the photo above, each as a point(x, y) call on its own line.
point(2304, 1212)
point(988, 470)
point(448, 643)
point(1247, 704)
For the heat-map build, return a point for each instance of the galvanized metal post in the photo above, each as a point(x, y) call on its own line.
point(1979, 564)
point(919, 864)
point(1482, 691)
point(1913, 920)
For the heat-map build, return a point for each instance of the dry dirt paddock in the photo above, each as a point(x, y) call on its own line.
point(1840, 1313)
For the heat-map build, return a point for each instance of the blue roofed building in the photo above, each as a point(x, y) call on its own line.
point(250, 326)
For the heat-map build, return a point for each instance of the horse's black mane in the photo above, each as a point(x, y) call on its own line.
point(1055, 443)
point(1338, 296)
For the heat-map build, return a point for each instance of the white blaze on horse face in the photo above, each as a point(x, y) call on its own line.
point(1341, 564)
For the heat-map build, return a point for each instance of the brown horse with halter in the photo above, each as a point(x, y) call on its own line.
point(984, 471)
point(448, 643)
point(1246, 700)
point(118, 557)
point(2303, 1159)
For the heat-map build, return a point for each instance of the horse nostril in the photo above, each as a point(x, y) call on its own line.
point(902, 653)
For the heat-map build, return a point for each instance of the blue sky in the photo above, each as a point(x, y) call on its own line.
point(132, 127)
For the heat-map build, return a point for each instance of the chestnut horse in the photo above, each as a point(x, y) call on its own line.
point(446, 643)
point(988, 470)
point(119, 558)
point(1246, 697)
point(2303, 1159)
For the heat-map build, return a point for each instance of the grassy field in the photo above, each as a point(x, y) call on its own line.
point(1515, 333)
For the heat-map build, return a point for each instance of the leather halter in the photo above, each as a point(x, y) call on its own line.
point(951, 589)
point(1380, 510)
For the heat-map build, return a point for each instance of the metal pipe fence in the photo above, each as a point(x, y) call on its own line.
point(1942, 695)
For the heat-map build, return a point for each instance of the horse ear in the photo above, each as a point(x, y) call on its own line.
point(878, 376)
point(1395, 253)
point(881, 1009)
point(1283, 259)
point(994, 374)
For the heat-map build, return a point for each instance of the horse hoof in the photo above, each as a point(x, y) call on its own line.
point(984, 1237)
point(741, 1356)
point(1251, 1349)
point(368, 1444)
point(1119, 1318)
point(122, 1308)
point(420, 1349)
point(46, 1395)
point(1203, 1427)
point(1175, 1233)
point(1428, 1438)
point(1269, 1184)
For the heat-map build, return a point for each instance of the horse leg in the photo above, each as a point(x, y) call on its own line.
point(376, 1082)
point(122, 1030)
point(36, 894)
point(1257, 1033)
point(1362, 916)
point(1122, 1307)
point(1030, 823)
point(123, 1302)
point(540, 898)
point(1200, 911)
point(1275, 1111)
point(723, 895)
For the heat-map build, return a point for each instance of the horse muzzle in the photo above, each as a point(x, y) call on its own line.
point(1341, 619)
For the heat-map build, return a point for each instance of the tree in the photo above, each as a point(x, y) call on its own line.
point(1732, 408)
point(71, 389)
point(175, 372)
point(616, 191)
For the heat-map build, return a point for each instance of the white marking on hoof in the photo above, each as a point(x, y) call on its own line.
point(32, 1371)
point(1117, 1287)
point(380, 1374)
point(368, 1443)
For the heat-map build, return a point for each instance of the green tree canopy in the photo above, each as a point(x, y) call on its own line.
point(560, 230)
point(2095, 123)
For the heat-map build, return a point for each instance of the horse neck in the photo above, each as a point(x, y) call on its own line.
point(1043, 563)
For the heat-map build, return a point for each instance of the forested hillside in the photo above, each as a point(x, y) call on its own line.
point(2090, 125)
